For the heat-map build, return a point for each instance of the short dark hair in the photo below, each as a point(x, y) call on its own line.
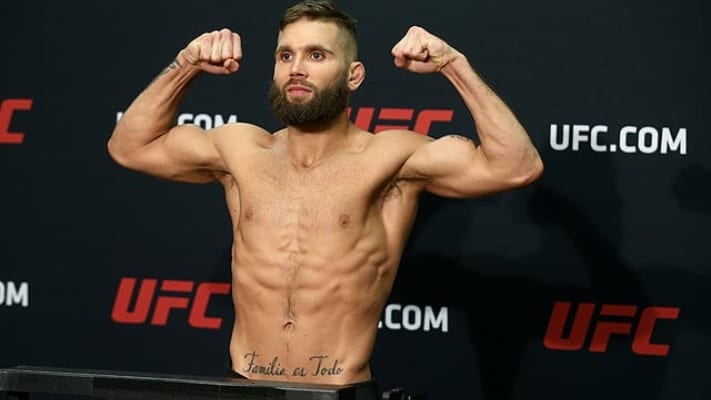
point(324, 10)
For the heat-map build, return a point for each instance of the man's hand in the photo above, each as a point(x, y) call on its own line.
point(216, 52)
point(421, 52)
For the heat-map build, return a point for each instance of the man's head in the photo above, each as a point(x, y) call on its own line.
point(326, 11)
point(315, 66)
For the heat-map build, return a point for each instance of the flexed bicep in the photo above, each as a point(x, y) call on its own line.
point(185, 153)
point(146, 138)
point(454, 166)
point(505, 157)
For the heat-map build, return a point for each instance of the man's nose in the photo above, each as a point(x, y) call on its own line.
point(297, 67)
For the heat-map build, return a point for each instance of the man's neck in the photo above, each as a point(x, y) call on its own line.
point(306, 147)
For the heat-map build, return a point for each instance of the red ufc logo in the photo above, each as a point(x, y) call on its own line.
point(399, 118)
point(7, 108)
point(179, 298)
point(621, 323)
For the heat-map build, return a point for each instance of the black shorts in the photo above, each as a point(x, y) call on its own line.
point(367, 390)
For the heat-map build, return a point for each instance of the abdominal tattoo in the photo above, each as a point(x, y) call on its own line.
point(319, 365)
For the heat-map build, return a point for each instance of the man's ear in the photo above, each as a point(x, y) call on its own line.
point(356, 75)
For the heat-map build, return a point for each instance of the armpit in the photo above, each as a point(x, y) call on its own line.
point(398, 186)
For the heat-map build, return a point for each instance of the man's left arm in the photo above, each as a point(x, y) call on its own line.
point(454, 166)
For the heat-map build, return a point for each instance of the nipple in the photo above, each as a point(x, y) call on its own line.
point(344, 221)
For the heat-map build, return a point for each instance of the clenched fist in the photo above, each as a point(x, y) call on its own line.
point(422, 52)
point(216, 52)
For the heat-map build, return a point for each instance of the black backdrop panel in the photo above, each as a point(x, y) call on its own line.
point(506, 297)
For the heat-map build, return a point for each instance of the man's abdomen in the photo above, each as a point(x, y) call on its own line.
point(313, 350)
point(311, 321)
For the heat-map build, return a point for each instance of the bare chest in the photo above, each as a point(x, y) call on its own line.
point(332, 195)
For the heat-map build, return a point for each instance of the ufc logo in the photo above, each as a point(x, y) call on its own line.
point(174, 294)
point(399, 118)
point(7, 108)
point(621, 322)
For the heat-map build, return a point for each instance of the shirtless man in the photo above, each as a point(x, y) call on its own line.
point(321, 210)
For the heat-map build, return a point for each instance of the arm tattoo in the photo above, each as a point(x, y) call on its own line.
point(460, 137)
point(173, 65)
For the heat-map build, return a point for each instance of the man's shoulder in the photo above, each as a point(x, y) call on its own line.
point(400, 138)
point(402, 135)
point(243, 133)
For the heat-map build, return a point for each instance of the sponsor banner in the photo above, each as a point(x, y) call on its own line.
point(627, 139)
point(13, 294)
point(203, 120)
point(8, 108)
point(378, 119)
point(415, 318)
point(145, 303)
point(594, 325)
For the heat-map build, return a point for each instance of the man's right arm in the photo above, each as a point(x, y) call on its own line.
point(146, 139)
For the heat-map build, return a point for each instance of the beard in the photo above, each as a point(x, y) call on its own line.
point(320, 111)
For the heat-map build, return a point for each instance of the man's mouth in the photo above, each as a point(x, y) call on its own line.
point(298, 89)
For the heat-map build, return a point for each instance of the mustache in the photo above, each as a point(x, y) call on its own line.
point(300, 82)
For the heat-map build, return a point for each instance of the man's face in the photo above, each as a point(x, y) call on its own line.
point(310, 84)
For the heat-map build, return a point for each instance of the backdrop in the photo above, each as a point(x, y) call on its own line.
point(591, 283)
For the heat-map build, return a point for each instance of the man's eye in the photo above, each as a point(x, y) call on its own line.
point(286, 56)
point(317, 56)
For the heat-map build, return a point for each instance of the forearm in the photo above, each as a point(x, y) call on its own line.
point(152, 113)
point(504, 142)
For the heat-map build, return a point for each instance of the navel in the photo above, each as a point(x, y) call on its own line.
point(344, 221)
